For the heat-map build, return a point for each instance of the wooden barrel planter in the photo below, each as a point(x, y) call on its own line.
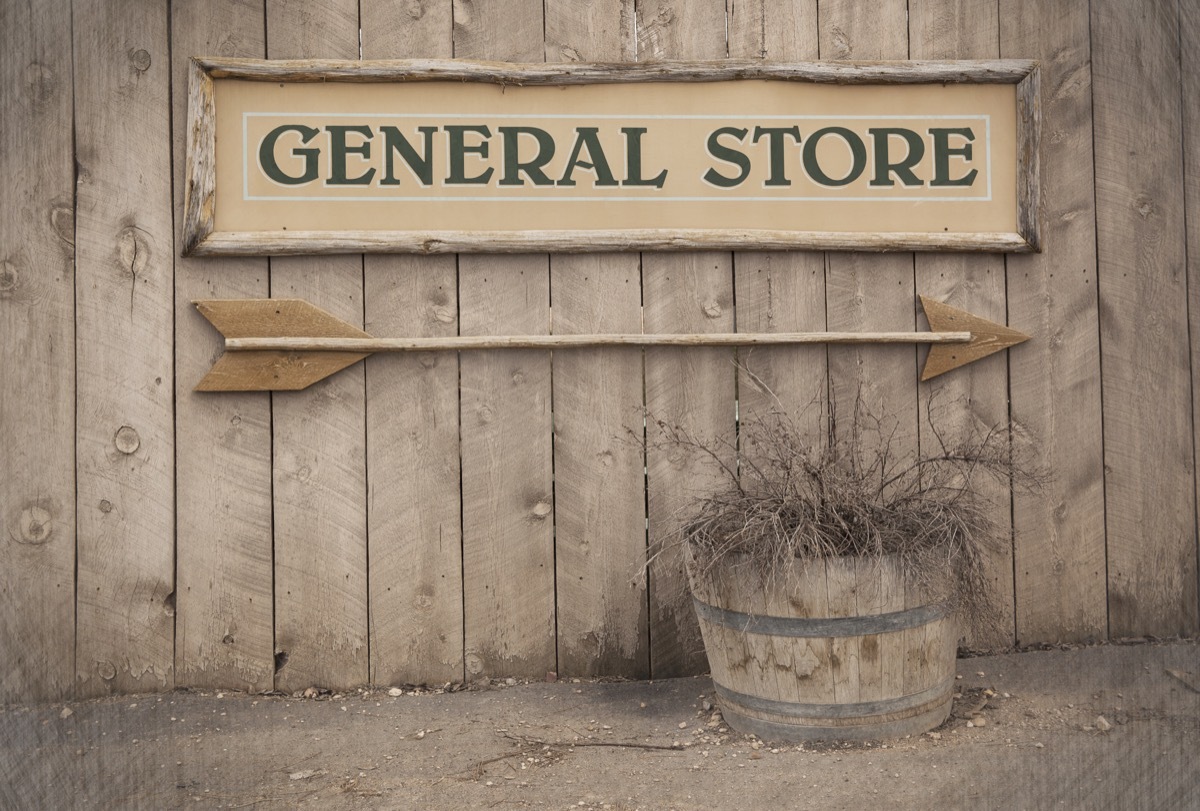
point(841, 649)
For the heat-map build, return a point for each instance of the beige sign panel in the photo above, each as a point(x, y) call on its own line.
point(301, 157)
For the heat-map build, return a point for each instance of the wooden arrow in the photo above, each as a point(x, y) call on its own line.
point(289, 344)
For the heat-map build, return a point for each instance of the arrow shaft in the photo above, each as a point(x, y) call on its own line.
point(457, 342)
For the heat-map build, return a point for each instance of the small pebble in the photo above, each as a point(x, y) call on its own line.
point(67, 712)
point(395, 692)
point(683, 724)
point(1102, 723)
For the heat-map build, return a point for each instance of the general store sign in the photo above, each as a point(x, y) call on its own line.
point(330, 157)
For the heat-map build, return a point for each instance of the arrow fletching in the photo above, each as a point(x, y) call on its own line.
point(987, 337)
point(274, 370)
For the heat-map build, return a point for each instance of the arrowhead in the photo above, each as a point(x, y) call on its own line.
point(987, 337)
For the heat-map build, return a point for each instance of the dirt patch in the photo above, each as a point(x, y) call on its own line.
point(1102, 727)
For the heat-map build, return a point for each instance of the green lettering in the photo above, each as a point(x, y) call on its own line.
point(338, 149)
point(266, 155)
point(633, 160)
point(902, 168)
point(942, 152)
point(724, 153)
point(775, 145)
point(422, 166)
point(513, 163)
point(513, 166)
point(858, 156)
point(589, 137)
point(459, 150)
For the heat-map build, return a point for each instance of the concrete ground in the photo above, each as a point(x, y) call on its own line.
point(1114, 726)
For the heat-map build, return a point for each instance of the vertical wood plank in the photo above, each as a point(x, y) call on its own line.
point(693, 388)
point(770, 29)
point(599, 491)
point(869, 599)
point(599, 483)
point(808, 662)
point(1189, 40)
point(953, 29)
point(595, 31)
point(508, 524)
point(1058, 532)
point(891, 645)
point(125, 292)
point(414, 511)
point(321, 632)
point(841, 581)
point(853, 30)
point(915, 670)
point(780, 291)
point(37, 365)
point(507, 465)
point(224, 629)
point(500, 30)
point(1148, 447)
point(975, 400)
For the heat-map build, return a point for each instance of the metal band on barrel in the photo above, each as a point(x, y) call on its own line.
point(863, 709)
point(820, 626)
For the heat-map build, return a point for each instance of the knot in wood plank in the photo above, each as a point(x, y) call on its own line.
point(127, 440)
point(35, 525)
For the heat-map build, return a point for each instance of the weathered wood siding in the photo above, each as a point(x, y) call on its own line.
point(484, 515)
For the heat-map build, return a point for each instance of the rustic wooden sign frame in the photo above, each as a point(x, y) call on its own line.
point(202, 239)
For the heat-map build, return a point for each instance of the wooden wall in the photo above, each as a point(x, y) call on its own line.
point(439, 518)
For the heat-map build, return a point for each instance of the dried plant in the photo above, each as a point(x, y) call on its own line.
point(786, 497)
